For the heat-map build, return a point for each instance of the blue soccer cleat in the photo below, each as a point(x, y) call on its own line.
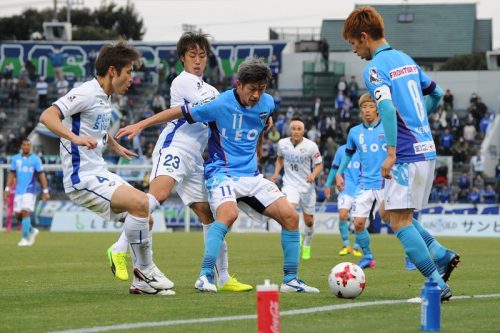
point(447, 264)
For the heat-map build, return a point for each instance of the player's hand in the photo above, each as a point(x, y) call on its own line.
point(310, 179)
point(387, 166)
point(328, 192)
point(6, 195)
point(86, 141)
point(124, 152)
point(130, 131)
point(273, 178)
point(339, 181)
point(45, 196)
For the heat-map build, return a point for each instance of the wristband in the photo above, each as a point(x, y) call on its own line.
point(45, 191)
point(7, 189)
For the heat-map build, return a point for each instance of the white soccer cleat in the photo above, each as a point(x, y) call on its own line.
point(154, 277)
point(24, 242)
point(32, 236)
point(140, 287)
point(297, 286)
point(204, 284)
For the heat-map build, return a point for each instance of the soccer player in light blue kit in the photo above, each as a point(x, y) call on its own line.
point(236, 119)
point(398, 85)
point(345, 198)
point(23, 168)
point(367, 139)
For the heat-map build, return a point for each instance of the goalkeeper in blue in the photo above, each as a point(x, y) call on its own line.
point(399, 85)
point(236, 118)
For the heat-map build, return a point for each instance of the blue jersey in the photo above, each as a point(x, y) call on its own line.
point(393, 75)
point(369, 142)
point(351, 173)
point(234, 132)
point(25, 168)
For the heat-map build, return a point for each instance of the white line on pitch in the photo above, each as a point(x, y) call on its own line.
point(245, 317)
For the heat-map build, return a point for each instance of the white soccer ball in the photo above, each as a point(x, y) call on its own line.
point(347, 280)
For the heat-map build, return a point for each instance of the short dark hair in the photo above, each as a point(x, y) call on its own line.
point(117, 55)
point(25, 139)
point(297, 118)
point(254, 70)
point(190, 39)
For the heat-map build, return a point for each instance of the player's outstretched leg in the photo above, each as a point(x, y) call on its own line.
point(446, 260)
point(117, 257)
point(215, 237)
point(409, 265)
point(344, 234)
point(416, 249)
point(26, 231)
point(306, 243)
point(363, 239)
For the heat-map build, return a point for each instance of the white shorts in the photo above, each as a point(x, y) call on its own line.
point(305, 200)
point(363, 202)
point(95, 192)
point(186, 169)
point(257, 192)
point(344, 201)
point(24, 201)
point(410, 186)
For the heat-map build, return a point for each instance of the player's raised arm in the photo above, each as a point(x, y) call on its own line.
point(162, 117)
point(51, 118)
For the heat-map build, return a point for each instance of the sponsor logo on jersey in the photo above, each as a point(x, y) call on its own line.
point(374, 78)
point(403, 71)
point(424, 147)
point(71, 98)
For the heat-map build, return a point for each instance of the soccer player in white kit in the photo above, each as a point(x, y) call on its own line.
point(81, 119)
point(302, 162)
point(177, 157)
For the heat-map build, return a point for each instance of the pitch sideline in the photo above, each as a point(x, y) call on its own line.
point(110, 328)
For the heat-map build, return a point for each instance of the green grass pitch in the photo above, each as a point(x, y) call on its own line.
point(64, 282)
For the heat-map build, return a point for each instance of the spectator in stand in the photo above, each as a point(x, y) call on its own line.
point(477, 164)
point(3, 116)
point(473, 98)
point(470, 131)
point(158, 104)
point(489, 195)
point(442, 118)
point(23, 78)
point(481, 108)
point(353, 89)
point(441, 175)
point(486, 123)
point(290, 112)
point(274, 135)
point(317, 108)
point(345, 116)
point(285, 132)
point(280, 123)
point(474, 196)
point(31, 69)
point(448, 100)
point(455, 125)
point(62, 87)
point(463, 196)
point(339, 101)
point(313, 134)
point(479, 182)
point(277, 100)
point(446, 142)
point(8, 73)
point(329, 150)
point(341, 85)
point(14, 96)
point(463, 181)
point(444, 194)
point(275, 70)
point(42, 89)
point(57, 58)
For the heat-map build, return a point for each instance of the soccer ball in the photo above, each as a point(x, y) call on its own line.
point(346, 280)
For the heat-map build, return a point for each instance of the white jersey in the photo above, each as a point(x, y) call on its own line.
point(298, 162)
point(191, 138)
point(87, 112)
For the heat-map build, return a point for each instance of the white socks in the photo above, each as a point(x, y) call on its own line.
point(308, 235)
point(136, 230)
point(221, 263)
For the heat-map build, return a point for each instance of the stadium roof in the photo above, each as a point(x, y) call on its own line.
point(424, 31)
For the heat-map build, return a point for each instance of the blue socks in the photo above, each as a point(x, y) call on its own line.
point(435, 248)
point(344, 232)
point(363, 239)
point(215, 237)
point(416, 249)
point(26, 227)
point(290, 241)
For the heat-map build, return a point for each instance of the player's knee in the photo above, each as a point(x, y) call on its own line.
point(359, 225)
point(140, 206)
point(291, 218)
